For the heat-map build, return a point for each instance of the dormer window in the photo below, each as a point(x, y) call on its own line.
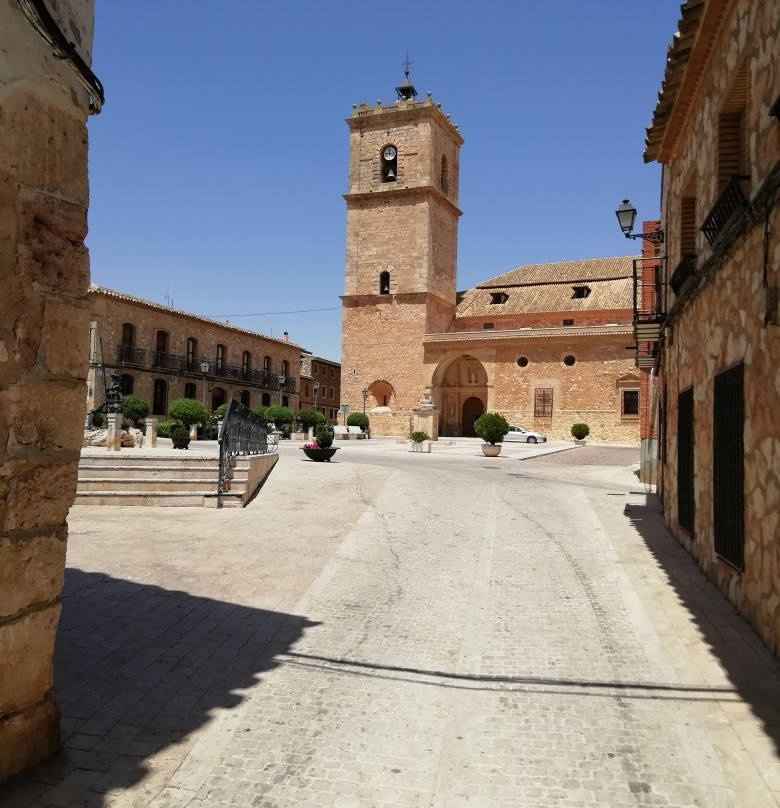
point(580, 292)
point(496, 298)
point(384, 283)
point(389, 163)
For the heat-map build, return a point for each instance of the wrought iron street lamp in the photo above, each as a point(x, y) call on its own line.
point(205, 367)
point(282, 379)
point(316, 388)
point(365, 399)
point(626, 215)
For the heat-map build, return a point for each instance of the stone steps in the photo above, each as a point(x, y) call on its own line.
point(162, 481)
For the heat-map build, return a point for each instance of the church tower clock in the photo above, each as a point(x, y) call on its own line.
point(402, 229)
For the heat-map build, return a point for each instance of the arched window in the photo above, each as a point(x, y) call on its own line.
point(161, 348)
point(160, 397)
point(218, 398)
point(192, 352)
point(244, 397)
point(388, 161)
point(384, 283)
point(286, 368)
point(220, 364)
point(126, 384)
point(444, 179)
point(285, 401)
point(266, 364)
point(126, 345)
point(266, 400)
point(190, 391)
point(246, 364)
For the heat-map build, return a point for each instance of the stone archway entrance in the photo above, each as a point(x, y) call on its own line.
point(472, 409)
point(457, 382)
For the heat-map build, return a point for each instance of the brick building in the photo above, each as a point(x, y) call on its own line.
point(545, 345)
point(716, 353)
point(162, 354)
point(327, 376)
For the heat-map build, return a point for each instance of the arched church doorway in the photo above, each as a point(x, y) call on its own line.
point(460, 393)
point(472, 409)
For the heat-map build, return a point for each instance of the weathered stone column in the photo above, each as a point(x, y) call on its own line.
point(44, 333)
point(151, 432)
point(114, 437)
point(426, 416)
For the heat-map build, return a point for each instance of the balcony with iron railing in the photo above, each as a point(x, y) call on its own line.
point(731, 202)
point(649, 298)
point(176, 363)
point(130, 355)
point(683, 272)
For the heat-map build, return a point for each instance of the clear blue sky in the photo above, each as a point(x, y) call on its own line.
point(219, 160)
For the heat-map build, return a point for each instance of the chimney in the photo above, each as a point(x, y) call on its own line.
point(286, 337)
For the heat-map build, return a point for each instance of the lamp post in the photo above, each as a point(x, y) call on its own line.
point(205, 367)
point(281, 378)
point(316, 388)
point(365, 399)
point(626, 215)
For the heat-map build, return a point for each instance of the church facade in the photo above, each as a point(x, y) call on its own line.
point(545, 345)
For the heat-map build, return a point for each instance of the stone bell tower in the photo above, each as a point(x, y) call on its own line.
point(402, 232)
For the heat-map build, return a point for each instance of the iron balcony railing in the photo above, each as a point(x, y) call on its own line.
point(169, 361)
point(728, 206)
point(683, 272)
point(130, 355)
point(649, 299)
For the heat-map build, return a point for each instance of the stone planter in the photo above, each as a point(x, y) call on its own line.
point(579, 442)
point(181, 443)
point(422, 446)
point(318, 455)
point(491, 451)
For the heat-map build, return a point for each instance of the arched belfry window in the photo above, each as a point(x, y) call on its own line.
point(384, 283)
point(444, 179)
point(388, 159)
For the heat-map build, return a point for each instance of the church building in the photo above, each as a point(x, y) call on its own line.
point(545, 345)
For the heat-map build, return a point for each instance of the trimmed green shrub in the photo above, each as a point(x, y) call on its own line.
point(135, 408)
point(179, 430)
point(164, 428)
point(309, 419)
point(324, 435)
point(358, 419)
point(491, 427)
point(279, 416)
point(187, 411)
point(98, 419)
point(261, 411)
point(419, 436)
point(580, 431)
point(219, 413)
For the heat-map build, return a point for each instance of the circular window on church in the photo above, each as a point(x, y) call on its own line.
point(569, 360)
point(522, 362)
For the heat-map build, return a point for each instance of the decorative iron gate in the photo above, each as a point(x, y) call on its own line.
point(685, 501)
point(728, 466)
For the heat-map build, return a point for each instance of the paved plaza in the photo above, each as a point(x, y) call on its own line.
point(394, 629)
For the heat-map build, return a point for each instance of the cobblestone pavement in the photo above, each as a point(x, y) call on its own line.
point(399, 629)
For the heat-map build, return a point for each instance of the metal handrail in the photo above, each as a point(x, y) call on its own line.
point(242, 432)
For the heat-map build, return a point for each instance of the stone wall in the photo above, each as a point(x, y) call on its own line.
point(44, 326)
point(719, 319)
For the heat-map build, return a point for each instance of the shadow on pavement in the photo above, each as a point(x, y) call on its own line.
point(747, 662)
point(138, 669)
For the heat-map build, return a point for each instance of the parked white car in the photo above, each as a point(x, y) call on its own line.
point(524, 435)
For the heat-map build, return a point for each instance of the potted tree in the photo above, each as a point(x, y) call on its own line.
point(135, 409)
point(282, 418)
point(580, 432)
point(321, 448)
point(358, 419)
point(420, 441)
point(185, 412)
point(491, 427)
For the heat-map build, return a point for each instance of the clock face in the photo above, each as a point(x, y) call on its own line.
point(389, 153)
